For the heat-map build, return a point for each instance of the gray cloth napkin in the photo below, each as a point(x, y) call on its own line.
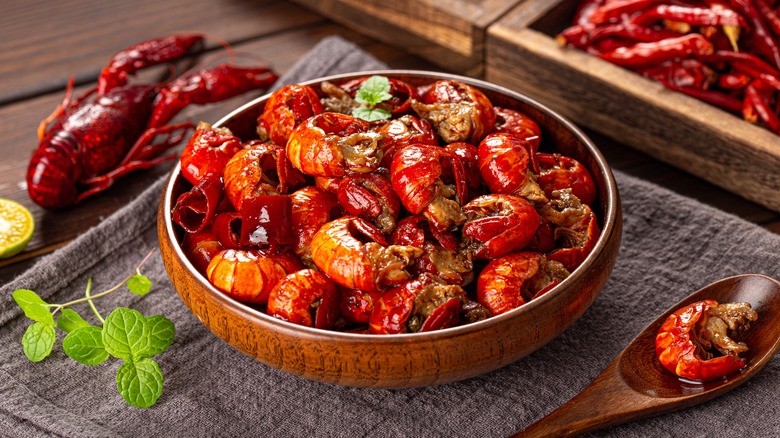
point(671, 246)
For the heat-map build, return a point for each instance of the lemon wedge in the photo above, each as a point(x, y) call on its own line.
point(16, 228)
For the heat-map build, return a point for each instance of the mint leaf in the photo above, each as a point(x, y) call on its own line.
point(126, 333)
point(161, 333)
point(139, 284)
point(85, 345)
point(38, 341)
point(371, 114)
point(373, 91)
point(33, 306)
point(140, 382)
point(69, 320)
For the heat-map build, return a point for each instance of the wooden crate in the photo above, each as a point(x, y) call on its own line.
point(684, 132)
point(449, 33)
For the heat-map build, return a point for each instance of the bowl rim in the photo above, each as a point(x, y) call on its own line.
point(610, 218)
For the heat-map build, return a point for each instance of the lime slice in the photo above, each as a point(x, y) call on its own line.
point(16, 228)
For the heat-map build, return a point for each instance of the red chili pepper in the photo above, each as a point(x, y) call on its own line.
point(762, 37)
point(716, 98)
point(647, 54)
point(584, 35)
point(267, 220)
point(684, 73)
point(772, 19)
point(585, 10)
point(740, 61)
point(733, 80)
point(690, 15)
point(756, 106)
point(614, 10)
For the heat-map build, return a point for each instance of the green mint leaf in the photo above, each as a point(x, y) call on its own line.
point(139, 284)
point(38, 341)
point(161, 333)
point(85, 345)
point(126, 333)
point(371, 114)
point(140, 382)
point(373, 91)
point(33, 306)
point(69, 320)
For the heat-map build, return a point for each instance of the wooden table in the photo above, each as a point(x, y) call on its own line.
point(43, 42)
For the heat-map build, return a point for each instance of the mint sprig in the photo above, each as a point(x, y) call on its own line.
point(125, 334)
point(374, 91)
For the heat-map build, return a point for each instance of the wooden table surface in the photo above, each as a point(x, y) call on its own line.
point(42, 43)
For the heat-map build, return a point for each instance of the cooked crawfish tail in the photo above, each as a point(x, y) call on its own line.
point(249, 276)
point(371, 197)
point(558, 172)
point(696, 343)
point(306, 297)
point(312, 208)
point(334, 145)
point(498, 224)
point(513, 280)
point(520, 125)
point(251, 172)
point(508, 165)
point(459, 111)
point(417, 175)
point(354, 254)
point(419, 305)
point(576, 228)
point(287, 108)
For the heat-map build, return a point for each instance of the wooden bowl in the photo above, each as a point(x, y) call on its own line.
point(417, 359)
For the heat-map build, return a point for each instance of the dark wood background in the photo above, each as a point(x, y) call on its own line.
point(42, 43)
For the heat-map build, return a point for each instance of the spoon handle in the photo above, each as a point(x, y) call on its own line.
point(607, 401)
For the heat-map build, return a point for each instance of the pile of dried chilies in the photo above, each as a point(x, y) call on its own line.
point(724, 52)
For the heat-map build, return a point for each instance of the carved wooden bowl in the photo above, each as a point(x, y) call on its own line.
point(417, 359)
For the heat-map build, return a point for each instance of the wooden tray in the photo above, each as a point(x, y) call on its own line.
point(449, 33)
point(710, 143)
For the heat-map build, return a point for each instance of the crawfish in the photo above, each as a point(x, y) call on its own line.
point(116, 128)
point(355, 254)
point(695, 342)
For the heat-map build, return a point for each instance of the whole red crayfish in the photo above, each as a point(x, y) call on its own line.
point(116, 128)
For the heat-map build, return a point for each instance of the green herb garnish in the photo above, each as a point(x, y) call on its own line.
point(124, 334)
point(374, 91)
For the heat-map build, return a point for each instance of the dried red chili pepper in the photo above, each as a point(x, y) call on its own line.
point(762, 36)
point(757, 107)
point(772, 18)
point(616, 9)
point(721, 100)
point(582, 36)
point(585, 10)
point(689, 15)
point(647, 54)
point(682, 73)
point(733, 80)
point(740, 61)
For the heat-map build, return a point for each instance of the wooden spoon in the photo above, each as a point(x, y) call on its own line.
point(635, 385)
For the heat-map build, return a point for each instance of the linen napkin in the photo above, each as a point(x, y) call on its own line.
point(671, 246)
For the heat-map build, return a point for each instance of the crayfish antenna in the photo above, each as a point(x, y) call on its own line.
point(58, 110)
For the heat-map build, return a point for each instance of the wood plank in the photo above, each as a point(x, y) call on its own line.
point(641, 165)
point(78, 37)
point(19, 121)
point(667, 125)
point(449, 33)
